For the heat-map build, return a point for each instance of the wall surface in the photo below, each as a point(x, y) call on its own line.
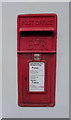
point(10, 108)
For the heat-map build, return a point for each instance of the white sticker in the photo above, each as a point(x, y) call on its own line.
point(36, 76)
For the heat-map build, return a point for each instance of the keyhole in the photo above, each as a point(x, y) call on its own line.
point(25, 78)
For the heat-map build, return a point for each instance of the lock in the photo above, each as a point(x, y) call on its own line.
point(36, 53)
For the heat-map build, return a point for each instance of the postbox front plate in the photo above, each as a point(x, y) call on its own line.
point(36, 52)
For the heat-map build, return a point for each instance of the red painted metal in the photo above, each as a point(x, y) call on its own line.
point(36, 33)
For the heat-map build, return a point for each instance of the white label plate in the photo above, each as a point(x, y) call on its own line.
point(36, 76)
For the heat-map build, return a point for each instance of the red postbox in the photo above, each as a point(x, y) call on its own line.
point(36, 52)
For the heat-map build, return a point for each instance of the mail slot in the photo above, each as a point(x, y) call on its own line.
point(36, 53)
